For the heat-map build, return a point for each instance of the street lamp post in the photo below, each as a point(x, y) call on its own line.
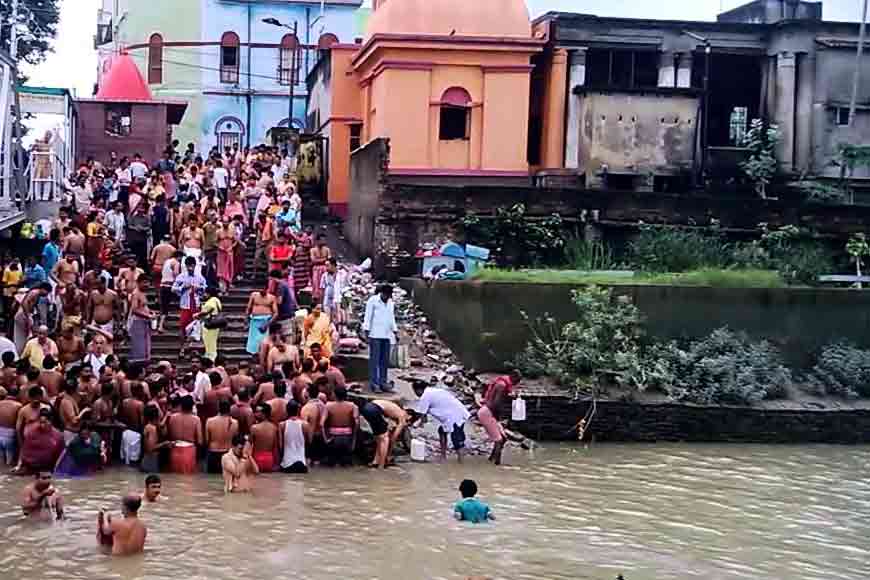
point(293, 64)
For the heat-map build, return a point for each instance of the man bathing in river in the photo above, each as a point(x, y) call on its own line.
point(239, 468)
point(40, 498)
point(125, 536)
point(153, 488)
point(219, 434)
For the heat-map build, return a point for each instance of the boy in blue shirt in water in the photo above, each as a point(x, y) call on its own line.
point(469, 508)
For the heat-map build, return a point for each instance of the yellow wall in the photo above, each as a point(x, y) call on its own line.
point(505, 121)
point(405, 84)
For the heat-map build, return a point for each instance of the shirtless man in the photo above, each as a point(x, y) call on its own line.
point(280, 353)
point(398, 418)
point(104, 406)
point(219, 434)
point(126, 536)
point(91, 279)
point(159, 255)
point(40, 498)
point(73, 241)
point(339, 424)
point(213, 397)
point(153, 488)
point(262, 310)
point(334, 378)
point(264, 438)
point(192, 236)
point(103, 305)
point(70, 347)
point(312, 413)
point(30, 413)
point(185, 430)
point(66, 271)
point(131, 412)
point(279, 403)
point(9, 409)
point(242, 412)
point(240, 378)
point(69, 412)
point(151, 444)
point(50, 378)
point(73, 303)
point(238, 467)
point(266, 391)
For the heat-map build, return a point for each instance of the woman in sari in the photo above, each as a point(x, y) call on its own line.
point(317, 329)
point(320, 254)
point(210, 308)
point(262, 310)
point(302, 259)
point(226, 251)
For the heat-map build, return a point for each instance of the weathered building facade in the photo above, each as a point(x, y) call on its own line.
point(622, 103)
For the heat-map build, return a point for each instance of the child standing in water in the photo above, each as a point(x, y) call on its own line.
point(469, 508)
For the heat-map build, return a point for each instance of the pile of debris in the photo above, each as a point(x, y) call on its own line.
point(422, 356)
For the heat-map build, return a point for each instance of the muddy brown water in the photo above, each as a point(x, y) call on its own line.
point(647, 512)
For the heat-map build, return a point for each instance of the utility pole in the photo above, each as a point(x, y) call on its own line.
point(856, 80)
point(16, 150)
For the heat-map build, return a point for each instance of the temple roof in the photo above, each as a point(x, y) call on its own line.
point(124, 82)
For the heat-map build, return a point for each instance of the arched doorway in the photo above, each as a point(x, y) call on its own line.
point(228, 131)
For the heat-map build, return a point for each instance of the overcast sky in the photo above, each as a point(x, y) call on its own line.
point(73, 64)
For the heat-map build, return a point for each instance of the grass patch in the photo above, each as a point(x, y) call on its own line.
point(702, 278)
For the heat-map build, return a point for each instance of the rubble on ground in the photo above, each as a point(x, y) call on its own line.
point(428, 356)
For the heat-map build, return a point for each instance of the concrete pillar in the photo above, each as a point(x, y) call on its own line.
point(784, 114)
point(667, 69)
point(806, 78)
point(684, 70)
point(576, 78)
point(553, 111)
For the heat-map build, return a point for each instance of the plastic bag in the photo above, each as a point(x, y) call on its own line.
point(518, 409)
point(194, 330)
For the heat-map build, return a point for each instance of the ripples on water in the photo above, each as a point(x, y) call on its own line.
point(648, 512)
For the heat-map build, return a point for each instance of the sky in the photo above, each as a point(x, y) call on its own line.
point(73, 64)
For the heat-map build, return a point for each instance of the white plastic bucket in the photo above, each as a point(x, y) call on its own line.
point(418, 450)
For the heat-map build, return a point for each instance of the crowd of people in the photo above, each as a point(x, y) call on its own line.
point(70, 405)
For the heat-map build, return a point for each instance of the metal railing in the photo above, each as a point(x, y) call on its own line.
point(45, 174)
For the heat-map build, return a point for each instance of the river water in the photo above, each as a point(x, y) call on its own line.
point(647, 512)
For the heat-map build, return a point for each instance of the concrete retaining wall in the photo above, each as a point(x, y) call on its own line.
point(553, 418)
point(484, 325)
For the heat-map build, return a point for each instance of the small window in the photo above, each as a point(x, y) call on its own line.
point(621, 68)
point(289, 58)
point(119, 120)
point(155, 60)
point(355, 136)
point(737, 125)
point(455, 114)
point(842, 116)
point(230, 58)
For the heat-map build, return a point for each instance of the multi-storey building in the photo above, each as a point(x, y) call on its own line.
point(238, 63)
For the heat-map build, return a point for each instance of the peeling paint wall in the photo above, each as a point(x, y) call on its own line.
point(637, 133)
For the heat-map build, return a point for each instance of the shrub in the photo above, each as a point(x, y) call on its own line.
point(605, 338)
point(584, 255)
point(842, 370)
point(668, 249)
point(724, 368)
point(515, 238)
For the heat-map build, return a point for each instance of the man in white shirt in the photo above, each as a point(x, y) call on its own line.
point(221, 179)
point(447, 410)
point(202, 382)
point(380, 328)
point(138, 169)
point(116, 221)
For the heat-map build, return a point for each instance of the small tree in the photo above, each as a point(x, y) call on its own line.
point(761, 141)
point(857, 247)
